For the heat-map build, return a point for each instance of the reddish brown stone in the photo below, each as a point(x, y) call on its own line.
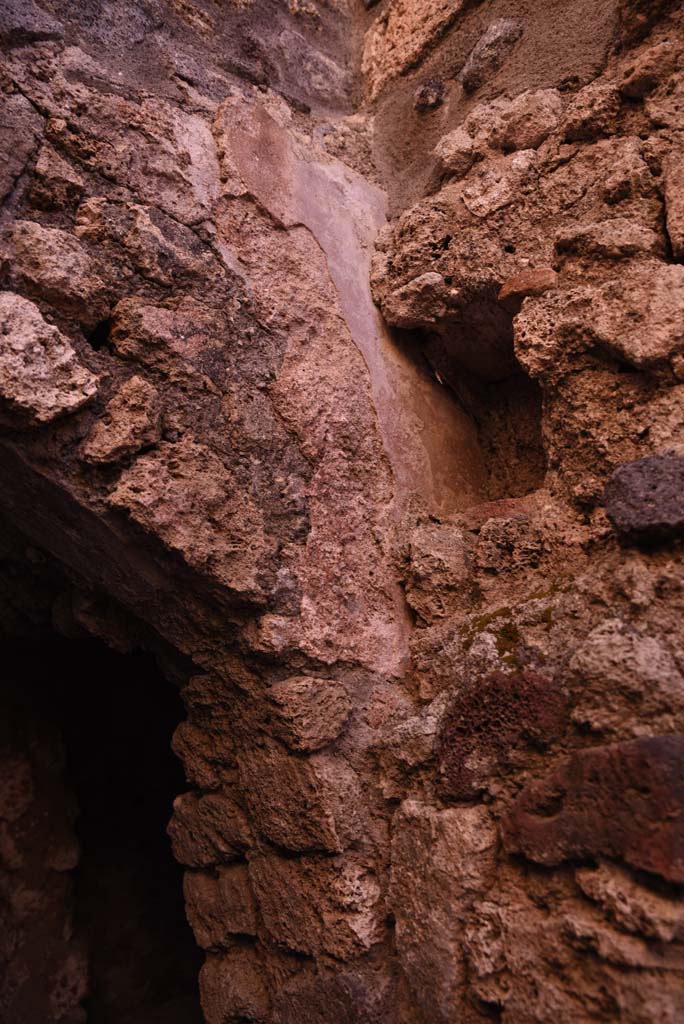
point(487, 719)
point(529, 282)
point(624, 801)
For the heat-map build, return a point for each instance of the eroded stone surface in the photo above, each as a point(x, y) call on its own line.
point(645, 499)
point(52, 265)
point(132, 421)
point(620, 801)
point(309, 713)
point(369, 544)
point(41, 377)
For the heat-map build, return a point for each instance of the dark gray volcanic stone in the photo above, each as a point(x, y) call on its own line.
point(645, 499)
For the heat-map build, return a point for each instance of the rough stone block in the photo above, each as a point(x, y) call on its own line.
point(438, 570)
point(52, 265)
point(592, 113)
point(208, 830)
point(184, 494)
point(315, 905)
point(614, 239)
point(644, 499)
point(233, 989)
point(441, 862)
point(622, 801)
point(456, 153)
point(521, 123)
point(309, 712)
point(301, 803)
point(41, 377)
point(219, 905)
point(131, 421)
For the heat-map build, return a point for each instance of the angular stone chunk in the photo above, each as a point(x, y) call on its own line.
point(317, 905)
point(132, 420)
point(41, 378)
point(623, 801)
point(521, 123)
point(499, 184)
point(19, 128)
point(184, 495)
point(208, 830)
point(419, 303)
point(232, 989)
point(638, 315)
point(301, 803)
point(361, 994)
point(528, 120)
point(645, 499)
point(490, 52)
point(219, 905)
point(441, 861)
point(592, 113)
point(456, 153)
point(613, 239)
point(309, 713)
point(52, 265)
point(438, 570)
point(56, 184)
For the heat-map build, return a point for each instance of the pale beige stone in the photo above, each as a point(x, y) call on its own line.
point(41, 377)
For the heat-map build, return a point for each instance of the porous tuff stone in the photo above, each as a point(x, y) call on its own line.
point(53, 266)
point(644, 499)
point(335, 506)
point(309, 712)
point(487, 720)
point(132, 420)
point(41, 377)
point(623, 801)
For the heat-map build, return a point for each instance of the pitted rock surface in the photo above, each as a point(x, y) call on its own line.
point(622, 801)
point(342, 373)
point(645, 499)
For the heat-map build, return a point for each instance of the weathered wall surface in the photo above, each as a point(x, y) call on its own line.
point(407, 494)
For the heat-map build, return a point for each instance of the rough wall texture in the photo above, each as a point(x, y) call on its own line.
point(406, 494)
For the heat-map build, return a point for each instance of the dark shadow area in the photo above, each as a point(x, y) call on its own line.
point(115, 715)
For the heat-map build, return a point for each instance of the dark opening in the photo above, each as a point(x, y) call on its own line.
point(99, 336)
point(472, 353)
point(117, 914)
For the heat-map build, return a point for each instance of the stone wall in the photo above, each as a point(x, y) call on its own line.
point(341, 365)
